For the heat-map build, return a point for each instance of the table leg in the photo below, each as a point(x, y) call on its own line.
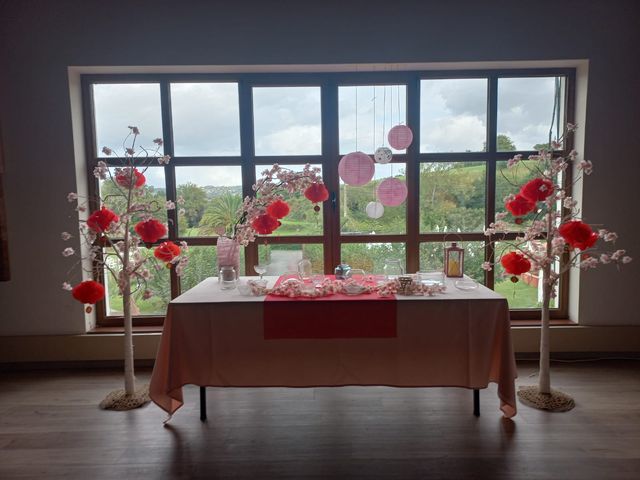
point(203, 404)
point(476, 402)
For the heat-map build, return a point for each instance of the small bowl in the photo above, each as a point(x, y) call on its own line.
point(245, 289)
point(353, 289)
point(466, 285)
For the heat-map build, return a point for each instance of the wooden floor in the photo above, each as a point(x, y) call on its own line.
point(50, 427)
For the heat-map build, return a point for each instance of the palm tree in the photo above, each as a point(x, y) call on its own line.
point(222, 212)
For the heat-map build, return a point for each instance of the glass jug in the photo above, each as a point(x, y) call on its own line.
point(227, 277)
point(392, 268)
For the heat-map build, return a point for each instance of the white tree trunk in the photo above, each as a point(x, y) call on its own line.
point(129, 376)
point(544, 379)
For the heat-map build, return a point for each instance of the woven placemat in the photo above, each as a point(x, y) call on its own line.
point(120, 400)
point(555, 401)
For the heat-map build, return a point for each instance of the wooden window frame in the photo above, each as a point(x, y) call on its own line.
point(329, 84)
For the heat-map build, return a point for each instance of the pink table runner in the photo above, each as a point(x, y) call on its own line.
point(333, 316)
point(216, 338)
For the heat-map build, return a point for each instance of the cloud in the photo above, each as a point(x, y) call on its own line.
point(119, 105)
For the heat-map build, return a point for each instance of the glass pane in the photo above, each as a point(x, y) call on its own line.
point(371, 257)
point(212, 196)
point(302, 218)
point(453, 115)
point(527, 292)
point(354, 200)
point(367, 113)
point(154, 193)
point(452, 197)
point(159, 285)
point(117, 106)
point(283, 259)
point(206, 119)
point(509, 181)
point(432, 258)
point(287, 120)
point(202, 264)
point(526, 112)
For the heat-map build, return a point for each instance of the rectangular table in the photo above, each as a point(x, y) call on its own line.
point(216, 338)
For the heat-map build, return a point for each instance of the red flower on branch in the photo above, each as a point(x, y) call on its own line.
point(88, 291)
point(515, 263)
point(278, 209)
point(537, 189)
point(520, 206)
point(124, 178)
point(166, 251)
point(265, 224)
point(316, 193)
point(150, 231)
point(100, 220)
point(578, 234)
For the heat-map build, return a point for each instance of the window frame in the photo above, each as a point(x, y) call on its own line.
point(329, 157)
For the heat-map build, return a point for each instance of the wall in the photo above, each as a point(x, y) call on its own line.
point(39, 40)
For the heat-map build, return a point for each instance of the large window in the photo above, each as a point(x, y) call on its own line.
point(222, 131)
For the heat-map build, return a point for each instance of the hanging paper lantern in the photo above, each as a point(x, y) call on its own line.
point(265, 224)
point(100, 220)
point(316, 193)
point(124, 178)
point(515, 263)
point(520, 205)
point(88, 291)
point(537, 189)
point(392, 192)
point(400, 137)
point(166, 251)
point(278, 209)
point(578, 234)
point(150, 231)
point(374, 209)
point(383, 155)
point(356, 169)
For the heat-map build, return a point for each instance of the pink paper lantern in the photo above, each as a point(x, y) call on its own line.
point(400, 137)
point(392, 192)
point(356, 169)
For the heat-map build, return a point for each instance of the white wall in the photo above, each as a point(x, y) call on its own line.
point(39, 40)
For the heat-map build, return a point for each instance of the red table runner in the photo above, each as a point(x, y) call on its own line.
point(333, 316)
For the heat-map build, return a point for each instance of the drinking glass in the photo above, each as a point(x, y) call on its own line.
point(304, 270)
point(392, 268)
point(227, 277)
point(261, 269)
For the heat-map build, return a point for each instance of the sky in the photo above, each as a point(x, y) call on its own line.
point(288, 119)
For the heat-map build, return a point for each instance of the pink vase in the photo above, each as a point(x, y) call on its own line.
point(228, 252)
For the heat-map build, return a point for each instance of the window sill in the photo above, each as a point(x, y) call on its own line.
point(158, 328)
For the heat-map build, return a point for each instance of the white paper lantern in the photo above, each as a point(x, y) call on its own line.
point(383, 155)
point(374, 209)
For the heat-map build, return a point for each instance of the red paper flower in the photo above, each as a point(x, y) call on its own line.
point(537, 189)
point(278, 209)
point(166, 251)
point(124, 177)
point(578, 234)
point(101, 220)
point(515, 263)
point(317, 192)
point(151, 230)
point(88, 292)
point(520, 206)
point(265, 224)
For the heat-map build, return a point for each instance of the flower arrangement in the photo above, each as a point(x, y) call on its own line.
point(261, 213)
point(114, 235)
point(555, 240)
point(297, 289)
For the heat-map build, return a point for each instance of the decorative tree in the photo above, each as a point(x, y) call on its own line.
point(555, 240)
point(261, 213)
point(113, 234)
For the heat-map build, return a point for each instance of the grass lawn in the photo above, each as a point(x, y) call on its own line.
point(519, 295)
